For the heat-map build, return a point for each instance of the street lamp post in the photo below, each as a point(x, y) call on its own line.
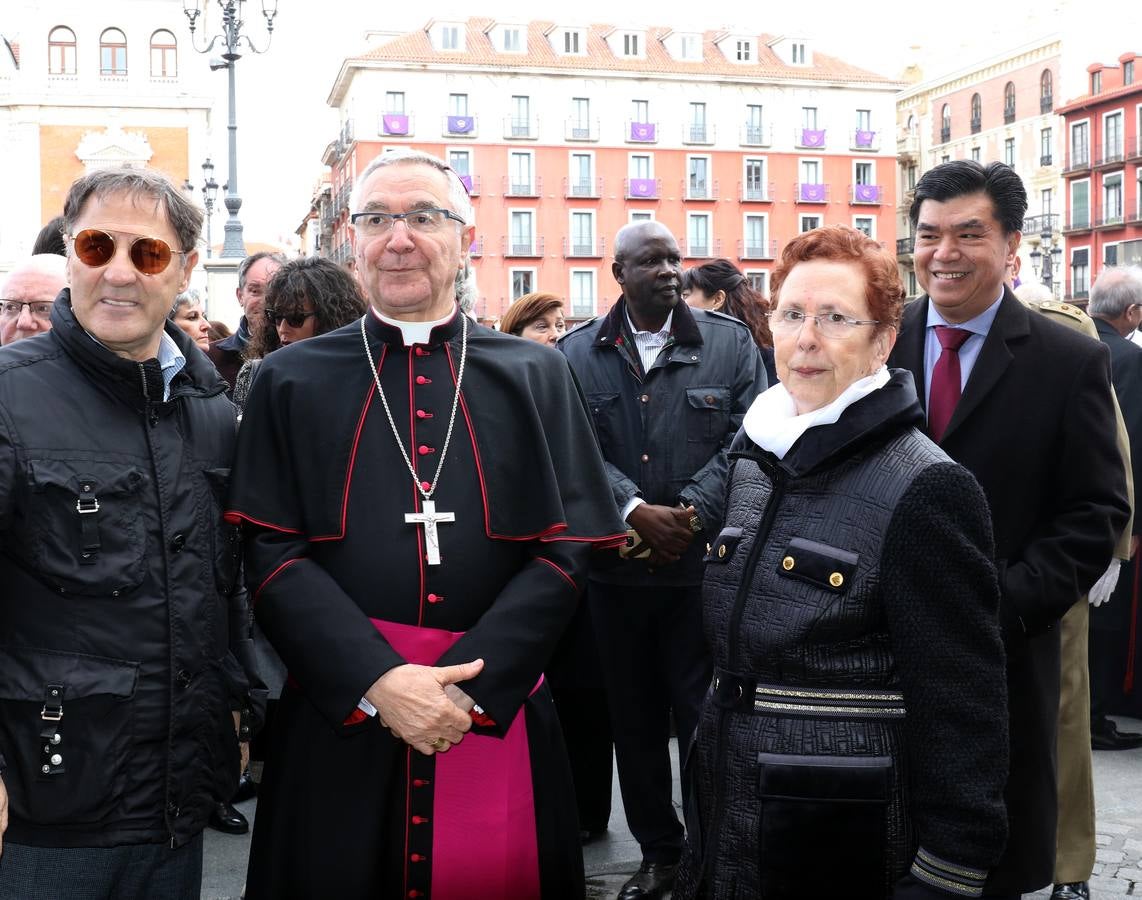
point(209, 195)
point(1047, 255)
point(232, 38)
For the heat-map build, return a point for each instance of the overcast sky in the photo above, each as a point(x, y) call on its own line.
point(284, 122)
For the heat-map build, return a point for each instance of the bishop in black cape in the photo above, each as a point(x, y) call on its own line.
point(343, 590)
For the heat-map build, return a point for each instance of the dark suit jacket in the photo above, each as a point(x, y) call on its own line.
point(1036, 427)
point(1126, 370)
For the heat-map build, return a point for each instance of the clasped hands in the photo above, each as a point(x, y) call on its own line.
point(665, 528)
point(423, 706)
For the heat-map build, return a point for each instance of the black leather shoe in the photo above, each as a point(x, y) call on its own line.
point(247, 789)
point(1104, 735)
point(1077, 890)
point(651, 882)
point(225, 817)
point(590, 835)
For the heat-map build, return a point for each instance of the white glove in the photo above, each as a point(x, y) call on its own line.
point(1104, 587)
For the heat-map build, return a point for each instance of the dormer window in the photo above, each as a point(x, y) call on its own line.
point(571, 42)
point(743, 50)
point(630, 45)
point(511, 39)
point(690, 46)
point(797, 52)
point(448, 36)
point(1095, 82)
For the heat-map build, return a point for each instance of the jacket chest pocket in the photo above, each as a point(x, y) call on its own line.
point(86, 525)
point(828, 568)
point(707, 414)
point(607, 416)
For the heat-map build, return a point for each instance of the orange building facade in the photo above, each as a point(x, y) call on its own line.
point(735, 142)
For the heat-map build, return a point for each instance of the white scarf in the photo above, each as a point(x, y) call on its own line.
point(772, 421)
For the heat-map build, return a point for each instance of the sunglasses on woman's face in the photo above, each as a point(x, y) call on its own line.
point(293, 320)
point(96, 248)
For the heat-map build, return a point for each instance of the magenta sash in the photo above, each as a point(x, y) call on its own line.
point(483, 824)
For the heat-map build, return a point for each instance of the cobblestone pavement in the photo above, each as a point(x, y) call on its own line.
point(612, 859)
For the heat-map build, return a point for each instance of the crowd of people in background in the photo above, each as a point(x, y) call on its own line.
point(847, 551)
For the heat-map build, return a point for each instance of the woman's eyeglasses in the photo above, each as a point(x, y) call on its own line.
point(293, 319)
point(96, 248)
point(830, 324)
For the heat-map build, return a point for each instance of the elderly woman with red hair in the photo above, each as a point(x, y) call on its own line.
point(853, 742)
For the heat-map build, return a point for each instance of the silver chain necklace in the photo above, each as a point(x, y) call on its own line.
point(429, 517)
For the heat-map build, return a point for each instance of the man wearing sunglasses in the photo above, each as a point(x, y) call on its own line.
point(26, 296)
point(420, 495)
point(120, 624)
point(254, 274)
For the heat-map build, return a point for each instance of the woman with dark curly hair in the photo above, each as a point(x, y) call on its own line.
point(306, 297)
point(719, 285)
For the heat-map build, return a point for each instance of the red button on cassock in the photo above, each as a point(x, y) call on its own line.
point(419, 820)
point(420, 782)
point(423, 379)
point(427, 485)
point(423, 414)
point(435, 598)
point(424, 450)
point(421, 351)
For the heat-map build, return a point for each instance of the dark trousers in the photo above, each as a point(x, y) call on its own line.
point(655, 662)
point(577, 687)
point(129, 872)
point(1109, 647)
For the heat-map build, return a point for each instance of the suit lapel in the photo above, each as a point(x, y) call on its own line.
point(994, 358)
point(909, 350)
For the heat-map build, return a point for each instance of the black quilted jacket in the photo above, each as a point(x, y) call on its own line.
point(855, 744)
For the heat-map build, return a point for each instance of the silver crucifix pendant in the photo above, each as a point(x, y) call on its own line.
point(428, 518)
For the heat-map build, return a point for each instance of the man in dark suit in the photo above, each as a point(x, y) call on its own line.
point(1026, 406)
point(1116, 307)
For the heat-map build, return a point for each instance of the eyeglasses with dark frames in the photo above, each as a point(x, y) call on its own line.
point(11, 309)
point(293, 319)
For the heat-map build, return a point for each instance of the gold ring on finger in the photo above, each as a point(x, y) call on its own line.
point(439, 744)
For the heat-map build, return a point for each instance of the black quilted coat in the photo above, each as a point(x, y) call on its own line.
point(854, 741)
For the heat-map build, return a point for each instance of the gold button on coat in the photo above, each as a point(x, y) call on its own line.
point(787, 563)
point(721, 551)
point(836, 579)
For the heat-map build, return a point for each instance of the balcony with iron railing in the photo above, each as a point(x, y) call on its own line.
point(703, 249)
point(1077, 221)
point(521, 247)
point(865, 194)
point(642, 188)
point(472, 183)
point(521, 129)
point(513, 187)
point(757, 249)
point(756, 135)
point(460, 126)
point(908, 146)
point(577, 248)
point(864, 141)
point(700, 189)
point(1077, 162)
point(1046, 103)
point(1134, 215)
point(583, 188)
point(812, 193)
point(579, 130)
point(698, 134)
point(1046, 159)
point(477, 248)
point(1133, 147)
point(976, 125)
point(945, 134)
point(1047, 222)
point(754, 192)
point(904, 246)
point(809, 138)
point(1113, 218)
point(1008, 115)
point(1109, 156)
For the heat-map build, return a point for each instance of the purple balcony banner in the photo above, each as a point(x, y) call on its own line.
point(641, 131)
point(467, 182)
point(395, 124)
point(461, 124)
point(865, 138)
point(643, 187)
point(866, 193)
point(813, 193)
point(810, 137)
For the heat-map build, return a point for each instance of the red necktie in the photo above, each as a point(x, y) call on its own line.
point(945, 393)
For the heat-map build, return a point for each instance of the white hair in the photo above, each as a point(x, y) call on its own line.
point(457, 194)
point(1033, 292)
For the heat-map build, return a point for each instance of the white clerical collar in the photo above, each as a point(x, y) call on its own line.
point(772, 421)
point(413, 332)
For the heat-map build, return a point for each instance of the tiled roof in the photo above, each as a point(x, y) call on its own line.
point(416, 47)
point(1088, 100)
